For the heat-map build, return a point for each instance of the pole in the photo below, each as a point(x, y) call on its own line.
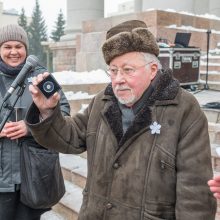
point(207, 60)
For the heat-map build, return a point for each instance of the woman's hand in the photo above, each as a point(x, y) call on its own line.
point(15, 130)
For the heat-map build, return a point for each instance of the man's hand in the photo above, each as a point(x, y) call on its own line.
point(214, 185)
point(44, 105)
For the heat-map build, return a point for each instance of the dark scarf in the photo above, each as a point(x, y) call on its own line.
point(9, 70)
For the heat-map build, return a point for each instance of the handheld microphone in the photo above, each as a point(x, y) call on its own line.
point(31, 62)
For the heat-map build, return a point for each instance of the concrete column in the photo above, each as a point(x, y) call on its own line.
point(138, 5)
point(78, 11)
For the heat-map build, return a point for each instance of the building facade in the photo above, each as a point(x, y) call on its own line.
point(8, 16)
point(93, 10)
point(77, 13)
point(191, 6)
point(64, 52)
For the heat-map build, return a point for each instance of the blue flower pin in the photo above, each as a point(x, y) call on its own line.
point(155, 128)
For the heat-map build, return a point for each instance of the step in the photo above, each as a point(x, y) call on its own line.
point(88, 88)
point(74, 168)
point(214, 132)
point(215, 153)
point(215, 150)
point(78, 105)
point(217, 217)
point(211, 67)
point(212, 59)
point(52, 215)
point(212, 75)
point(213, 115)
point(83, 155)
point(215, 52)
point(206, 96)
point(70, 204)
point(211, 85)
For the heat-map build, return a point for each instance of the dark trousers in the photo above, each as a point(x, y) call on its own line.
point(12, 209)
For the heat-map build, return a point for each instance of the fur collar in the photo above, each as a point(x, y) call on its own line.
point(165, 89)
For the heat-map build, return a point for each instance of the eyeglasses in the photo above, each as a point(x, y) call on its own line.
point(126, 71)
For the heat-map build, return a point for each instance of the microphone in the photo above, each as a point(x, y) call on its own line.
point(31, 62)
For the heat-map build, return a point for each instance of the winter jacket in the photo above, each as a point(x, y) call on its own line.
point(10, 149)
point(157, 170)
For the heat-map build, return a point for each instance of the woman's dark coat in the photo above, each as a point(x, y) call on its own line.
point(10, 149)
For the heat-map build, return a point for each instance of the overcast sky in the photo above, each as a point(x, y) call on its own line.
point(50, 8)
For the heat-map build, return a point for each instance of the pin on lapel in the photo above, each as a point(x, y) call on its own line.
point(155, 128)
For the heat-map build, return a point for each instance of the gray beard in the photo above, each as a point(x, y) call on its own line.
point(127, 101)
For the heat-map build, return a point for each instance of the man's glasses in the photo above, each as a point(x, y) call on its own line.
point(126, 71)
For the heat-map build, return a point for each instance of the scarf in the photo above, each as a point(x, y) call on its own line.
point(9, 70)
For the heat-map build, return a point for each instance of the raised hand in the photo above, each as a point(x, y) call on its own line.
point(44, 105)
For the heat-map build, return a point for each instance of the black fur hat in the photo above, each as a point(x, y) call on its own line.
point(127, 37)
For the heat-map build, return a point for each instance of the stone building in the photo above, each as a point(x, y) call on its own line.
point(7, 16)
point(64, 52)
point(191, 6)
point(80, 47)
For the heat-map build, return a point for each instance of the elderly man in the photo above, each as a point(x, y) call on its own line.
point(146, 138)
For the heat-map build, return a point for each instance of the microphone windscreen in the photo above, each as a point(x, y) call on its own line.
point(32, 61)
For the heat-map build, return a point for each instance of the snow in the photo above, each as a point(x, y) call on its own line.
point(83, 107)
point(203, 63)
point(190, 28)
point(70, 95)
point(71, 78)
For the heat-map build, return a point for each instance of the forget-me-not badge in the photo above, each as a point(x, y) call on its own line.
point(155, 128)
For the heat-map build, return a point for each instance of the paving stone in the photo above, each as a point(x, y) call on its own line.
point(70, 204)
point(74, 169)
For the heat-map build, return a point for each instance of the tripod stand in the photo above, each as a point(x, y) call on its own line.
point(206, 86)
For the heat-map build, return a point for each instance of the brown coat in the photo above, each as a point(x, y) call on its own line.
point(139, 176)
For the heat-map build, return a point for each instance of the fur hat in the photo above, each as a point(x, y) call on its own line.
point(127, 37)
point(13, 32)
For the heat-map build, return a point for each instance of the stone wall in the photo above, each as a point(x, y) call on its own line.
point(89, 55)
point(64, 55)
point(84, 52)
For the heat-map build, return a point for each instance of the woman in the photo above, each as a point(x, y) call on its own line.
point(13, 54)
